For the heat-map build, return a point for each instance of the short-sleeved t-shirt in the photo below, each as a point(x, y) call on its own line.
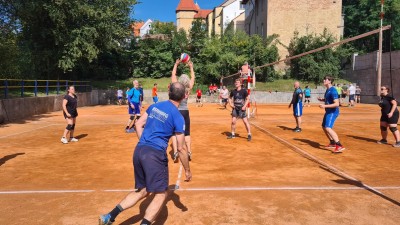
point(307, 92)
point(154, 91)
point(72, 104)
point(198, 93)
point(224, 93)
point(134, 95)
point(358, 91)
point(352, 90)
point(120, 93)
point(239, 97)
point(296, 96)
point(330, 95)
point(339, 90)
point(386, 104)
point(163, 121)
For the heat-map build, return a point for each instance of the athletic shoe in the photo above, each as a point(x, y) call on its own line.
point(397, 144)
point(297, 129)
point(105, 219)
point(64, 140)
point(132, 130)
point(175, 157)
point(330, 145)
point(249, 137)
point(73, 140)
point(338, 149)
point(382, 141)
point(231, 136)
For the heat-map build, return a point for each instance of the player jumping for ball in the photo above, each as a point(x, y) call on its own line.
point(238, 100)
point(331, 107)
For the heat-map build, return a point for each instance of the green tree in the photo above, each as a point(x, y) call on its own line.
point(362, 16)
point(313, 67)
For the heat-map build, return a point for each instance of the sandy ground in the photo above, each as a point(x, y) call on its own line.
point(280, 177)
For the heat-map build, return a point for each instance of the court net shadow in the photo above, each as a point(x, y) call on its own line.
point(362, 138)
point(163, 215)
point(9, 157)
point(81, 136)
point(360, 184)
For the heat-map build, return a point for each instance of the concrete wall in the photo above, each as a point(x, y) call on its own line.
point(364, 73)
point(17, 109)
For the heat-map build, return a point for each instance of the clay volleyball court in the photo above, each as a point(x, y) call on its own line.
point(280, 177)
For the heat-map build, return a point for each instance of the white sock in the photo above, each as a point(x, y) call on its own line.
point(233, 133)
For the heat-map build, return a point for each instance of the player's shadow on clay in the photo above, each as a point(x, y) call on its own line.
point(163, 216)
point(81, 136)
point(285, 128)
point(363, 138)
point(227, 133)
point(311, 143)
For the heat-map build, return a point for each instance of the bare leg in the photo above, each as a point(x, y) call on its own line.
point(71, 134)
point(233, 125)
point(246, 123)
point(132, 198)
point(384, 133)
point(396, 134)
point(332, 134)
point(70, 122)
point(298, 121)
point(188, 143)
point(154, 208)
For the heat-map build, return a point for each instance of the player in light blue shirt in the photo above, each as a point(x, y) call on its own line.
point(133, 96)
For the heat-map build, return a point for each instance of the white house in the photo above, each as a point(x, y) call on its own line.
point(231, 10)
point(145, 29)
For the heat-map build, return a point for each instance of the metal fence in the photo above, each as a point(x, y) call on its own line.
point(12, 88)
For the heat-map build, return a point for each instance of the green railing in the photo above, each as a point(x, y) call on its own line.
point(29, 88)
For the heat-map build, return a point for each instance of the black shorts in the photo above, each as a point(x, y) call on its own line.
point(151, 169)
point(238, 113)
point(73, 115)
point(352, 97)
point(224, 100)
point(198, 97)
point(344, 95)
point(392, 120)
point(186, 117)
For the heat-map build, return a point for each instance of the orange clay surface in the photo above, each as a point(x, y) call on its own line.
point(280, 177)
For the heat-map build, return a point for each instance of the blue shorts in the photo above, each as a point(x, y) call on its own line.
point(155, 99)
point(298, 109)
point(134, 111)
point(352, 97)
point(151, 169)
point(119, 97)
point(329, 119)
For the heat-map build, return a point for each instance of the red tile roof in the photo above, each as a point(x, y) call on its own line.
point(187, 5)
point(136, 28)
point(202, 14)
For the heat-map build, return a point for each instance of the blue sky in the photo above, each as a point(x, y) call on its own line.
point(164, 10)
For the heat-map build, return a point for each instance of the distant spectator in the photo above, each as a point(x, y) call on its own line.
point(358, 94)
point(344, 92)
point(352, 94)
point(224, 96)
point(307, 96)
point(154, 93)
point(126, 94)
point(120, 95)
point(198, 98)
point(339, 91)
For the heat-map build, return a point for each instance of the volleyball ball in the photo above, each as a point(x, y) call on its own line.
point(185, 58)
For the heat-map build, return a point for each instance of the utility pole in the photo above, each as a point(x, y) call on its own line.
point(379, 77)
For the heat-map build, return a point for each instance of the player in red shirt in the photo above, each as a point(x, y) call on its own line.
point(198, 98)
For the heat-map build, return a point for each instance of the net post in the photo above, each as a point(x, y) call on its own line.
point(379, 74)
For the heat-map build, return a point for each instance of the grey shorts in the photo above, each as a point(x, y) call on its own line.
point(239, 113)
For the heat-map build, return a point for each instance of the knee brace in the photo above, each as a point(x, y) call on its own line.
point(383, 128)
point(132, 117)
point(73, 127)
point(393, 129)
point(69, 127)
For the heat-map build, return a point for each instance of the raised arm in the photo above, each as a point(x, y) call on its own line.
point(173, 75)
point(192, 76)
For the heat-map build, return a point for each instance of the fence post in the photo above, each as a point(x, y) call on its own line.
point(47, 87)
point(35, 88)
point(58, 87)
point(6, 88)
point(22, 88)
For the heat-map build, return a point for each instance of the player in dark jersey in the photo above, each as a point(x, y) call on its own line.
point(389, 116)
point(297, 102)
point(70, 103)
point(238, 100)
point(331, 107)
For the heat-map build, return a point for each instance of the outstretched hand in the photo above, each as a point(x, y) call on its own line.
point(177, 62)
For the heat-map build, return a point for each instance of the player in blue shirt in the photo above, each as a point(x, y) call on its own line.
point(133, 96)
point(307, 96)
point(331, 107)
point(154, 129)
point(297, 105)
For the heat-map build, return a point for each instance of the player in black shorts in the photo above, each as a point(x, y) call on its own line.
point(238, 100)
point(70, 103)
point(389, 117)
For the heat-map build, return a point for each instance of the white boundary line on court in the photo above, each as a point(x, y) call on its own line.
point(27, 131)
point(279, 188)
